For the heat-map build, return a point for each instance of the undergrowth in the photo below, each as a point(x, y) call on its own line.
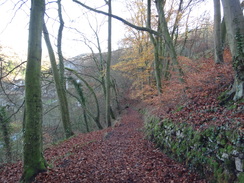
point(189, 122)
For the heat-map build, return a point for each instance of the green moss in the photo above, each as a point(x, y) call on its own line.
point(241, 177)
point(229, 134)
point(179, 108)
point(199, 150)
point(30, 172)
point(231, 107)
point(218, 173)
point(230, 165)
point(221, 139)
point(204, 150)
point(222, 96)
point(229, 149)
point(212, 163)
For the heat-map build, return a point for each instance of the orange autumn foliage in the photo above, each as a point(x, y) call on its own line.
point(201, 77)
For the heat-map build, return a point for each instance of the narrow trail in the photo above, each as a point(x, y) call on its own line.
point(122, 155)
point(115, 155)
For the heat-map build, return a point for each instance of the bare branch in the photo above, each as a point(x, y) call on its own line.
point(1, 85)
point(120, 19)
point(16, 8)
point(12, 70)
point(15, 111)
point(49, 110)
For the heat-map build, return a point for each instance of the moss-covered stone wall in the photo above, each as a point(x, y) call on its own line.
point(216, 153)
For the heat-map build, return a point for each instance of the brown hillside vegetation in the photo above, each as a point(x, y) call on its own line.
point(197, 101)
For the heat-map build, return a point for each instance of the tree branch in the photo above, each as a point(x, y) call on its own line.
point(12, 70)
point(120, 19)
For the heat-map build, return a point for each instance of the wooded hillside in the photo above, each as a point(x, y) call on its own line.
point(167, 106)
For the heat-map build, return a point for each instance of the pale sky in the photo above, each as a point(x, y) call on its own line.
point(14, 26)
point(15, 18)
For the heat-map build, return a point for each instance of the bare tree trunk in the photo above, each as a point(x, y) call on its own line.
point(158, 65)
point(64, 104)
point(62, 98)
point(176, 23)
point(223, 33)
point(59, 44)
point(156, 42)
point(234, 21)
point(34, 161)
point(101, 66)
point(108, 116)
point(5, 129)
point(218, 47)
point(96, 117)
point(82, 101)
point(168, 39)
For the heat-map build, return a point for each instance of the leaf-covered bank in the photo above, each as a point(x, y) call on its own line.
point(215, 152)
point(118, 154)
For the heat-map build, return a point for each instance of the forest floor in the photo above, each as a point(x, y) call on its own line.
point(121, 154)
point(117, 154)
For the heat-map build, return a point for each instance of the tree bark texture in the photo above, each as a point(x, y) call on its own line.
point(59, 43)
point(96, 117)
point(5, 130)
point(156, 42)
point(82, 101)
point(62, 98)
point(168, 39)
point(218, 47)
point(34, 161)
point(234, 21)
point(108, 117)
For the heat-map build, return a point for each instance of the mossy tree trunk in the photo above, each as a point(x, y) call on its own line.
point(63, 102)
point(59, 43)
point(168, 39)
point(95, 117)
point(64, 111)
point(108, 84)
point(218, 47)
point(82, 100)
point(156, 45)
point(5, 130)
point(223, 33)
point(34, 161)
point(234, 21)
point(158, 64)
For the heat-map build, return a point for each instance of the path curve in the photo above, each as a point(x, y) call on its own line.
point(121, 155)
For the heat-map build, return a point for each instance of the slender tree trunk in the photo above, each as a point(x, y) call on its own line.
point(62, 98)
point(34, 161)
point(82, 101)
point(218, 47)
point(114, 86)
point(5, 129)
point(64, 105)
point(156, 45)
point(96, 117)
point(85, 120)
point(223, 33)
point(108, 117)
point(234, 21)
point(101, 66)
point(176, 23)
point(59, 43)
point(157, 65)
point(168, 39)
point(186, 34)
